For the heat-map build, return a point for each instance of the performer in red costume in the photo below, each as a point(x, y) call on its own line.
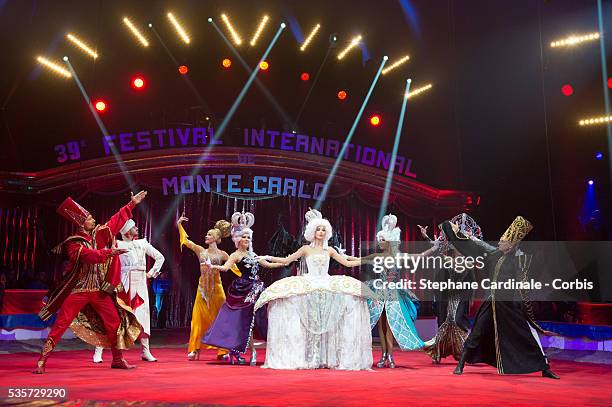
point(85, 300)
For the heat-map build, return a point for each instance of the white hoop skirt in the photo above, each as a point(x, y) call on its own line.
point(318, 321)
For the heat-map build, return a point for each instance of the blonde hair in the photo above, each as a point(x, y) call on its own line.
point(220, 230)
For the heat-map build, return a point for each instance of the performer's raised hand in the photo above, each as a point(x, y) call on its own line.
point(455, 227)
point(136, 199)
point(182, 219)
point(423, 230)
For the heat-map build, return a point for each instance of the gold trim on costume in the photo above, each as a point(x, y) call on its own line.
point(500, 366)
point(517, 230)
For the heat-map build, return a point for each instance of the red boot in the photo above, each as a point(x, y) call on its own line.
point(118, 361)
point(48, 346)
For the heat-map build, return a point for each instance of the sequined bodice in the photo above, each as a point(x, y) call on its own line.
point(249, 267)
point(318, 264)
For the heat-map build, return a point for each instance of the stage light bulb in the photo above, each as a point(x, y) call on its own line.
point(342, 95)
point(305, 76)
point(65, 59)
point(226, 63)
point(210, 19)
point(138, 83)
point(591, 182)
point(375, 120)
point(183, 69)
point(599, 155)
point(100, 106)
point(263, 65)
point(283, 25)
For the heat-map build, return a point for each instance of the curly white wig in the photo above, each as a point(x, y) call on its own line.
point(315, 219)
point(389, 232)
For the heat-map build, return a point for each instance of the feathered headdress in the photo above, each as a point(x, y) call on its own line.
point(389, 231)
point(314, 219)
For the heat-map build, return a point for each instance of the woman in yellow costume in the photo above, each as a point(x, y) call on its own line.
point(210, 295)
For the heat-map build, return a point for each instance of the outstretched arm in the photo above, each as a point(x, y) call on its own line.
point(117, 221)
point(343, 260)
point(183, 236)
point(263, 262)
point(283, 261)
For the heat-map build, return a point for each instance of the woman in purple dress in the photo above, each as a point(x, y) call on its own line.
point(233, 327)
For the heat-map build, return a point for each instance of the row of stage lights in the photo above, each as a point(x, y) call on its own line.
point(138, 82)
point(184, 36)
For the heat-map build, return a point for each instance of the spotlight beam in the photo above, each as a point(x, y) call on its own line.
point(219, 131)
point(388, 181)
point(332, 173)
point(116, 154)
point(604, 76)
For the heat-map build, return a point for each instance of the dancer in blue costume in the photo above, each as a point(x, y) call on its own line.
point(396, 311)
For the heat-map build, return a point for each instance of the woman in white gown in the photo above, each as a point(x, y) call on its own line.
point(316, 320)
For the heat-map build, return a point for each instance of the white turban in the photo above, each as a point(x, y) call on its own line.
point(126, 228)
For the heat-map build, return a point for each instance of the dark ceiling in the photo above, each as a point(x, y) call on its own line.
point(495, 121)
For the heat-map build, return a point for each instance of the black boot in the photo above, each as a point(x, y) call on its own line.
point(550, 374)
point(459, 368)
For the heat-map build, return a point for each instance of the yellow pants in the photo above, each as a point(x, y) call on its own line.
point(205, 313)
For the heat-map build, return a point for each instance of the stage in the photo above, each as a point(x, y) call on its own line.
point(414, 382)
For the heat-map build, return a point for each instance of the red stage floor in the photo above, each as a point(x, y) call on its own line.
point(415, 382)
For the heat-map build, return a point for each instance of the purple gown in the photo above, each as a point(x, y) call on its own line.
point(233, 327)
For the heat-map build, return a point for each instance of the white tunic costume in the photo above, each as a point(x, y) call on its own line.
point(134, 276)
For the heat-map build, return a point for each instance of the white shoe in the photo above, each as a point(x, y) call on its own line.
point(146, 354)
point(97, 357)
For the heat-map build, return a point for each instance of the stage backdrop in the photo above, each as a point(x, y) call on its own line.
point(277, 186)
